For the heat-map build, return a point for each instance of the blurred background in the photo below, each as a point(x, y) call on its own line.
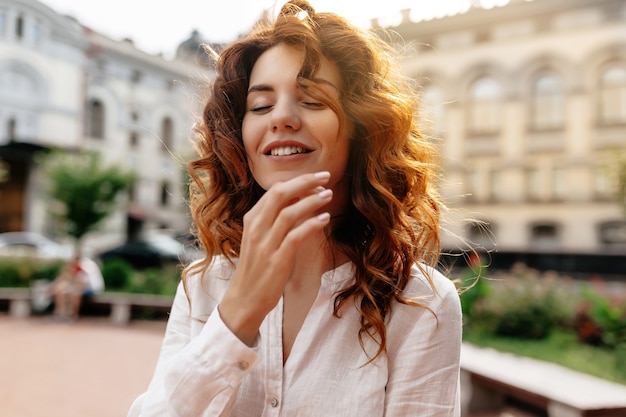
point(526, 99)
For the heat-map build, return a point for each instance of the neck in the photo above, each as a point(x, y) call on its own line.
point(315, 257)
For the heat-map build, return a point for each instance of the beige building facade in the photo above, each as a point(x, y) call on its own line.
point(65, 86)
point(528, 101)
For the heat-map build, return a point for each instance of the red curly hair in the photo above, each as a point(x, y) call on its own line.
point(392, 221)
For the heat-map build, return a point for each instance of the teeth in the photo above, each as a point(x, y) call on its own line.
point(287, 150)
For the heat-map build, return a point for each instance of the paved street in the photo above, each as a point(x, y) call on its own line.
point(87, 369)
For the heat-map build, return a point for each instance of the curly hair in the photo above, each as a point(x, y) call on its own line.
point(392, 221)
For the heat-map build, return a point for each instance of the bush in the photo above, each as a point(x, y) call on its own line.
point(117, 274)
point(475, 287)
point(21, 272)
point(523, 305)
point(608, 317)
point(161, 281)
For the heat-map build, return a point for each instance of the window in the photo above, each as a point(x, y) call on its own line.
point(604, 188)
point(484, 106)
point(96, 119)
point(482, 234)
point(165, 194)
point(544, 236)
point(432, 111)
point(12, 129)
point(612, 233)
point(559, 183)
point(167, 133)
point(613, 95)
point(136, 76)
point(534, 186)
point(19, 27)
point(133, 136)
point(494, 185)
point(3, 22)
point(547, 102)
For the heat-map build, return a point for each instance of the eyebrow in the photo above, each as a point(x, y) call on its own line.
point(267, 87)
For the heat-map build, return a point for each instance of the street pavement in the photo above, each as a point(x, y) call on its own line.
point(90, 368)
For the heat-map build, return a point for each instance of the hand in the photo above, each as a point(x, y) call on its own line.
point(273, 230)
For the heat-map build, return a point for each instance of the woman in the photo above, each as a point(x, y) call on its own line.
point(314, 196)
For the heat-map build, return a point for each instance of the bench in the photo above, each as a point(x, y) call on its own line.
point(121, 305)
point(491, 378)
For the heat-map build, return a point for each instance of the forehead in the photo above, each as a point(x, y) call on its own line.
point(283, 63)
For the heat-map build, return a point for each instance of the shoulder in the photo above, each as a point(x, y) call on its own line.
point(433, 292)
point(426, 280)
point(206, 284)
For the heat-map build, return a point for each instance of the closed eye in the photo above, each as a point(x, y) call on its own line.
point(260, 109)
point(315, 105)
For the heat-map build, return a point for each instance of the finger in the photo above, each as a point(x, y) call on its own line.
point(286, 193)
point(295, 214)
point(297, 235)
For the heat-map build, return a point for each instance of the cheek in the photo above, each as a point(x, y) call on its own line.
point(247, 135)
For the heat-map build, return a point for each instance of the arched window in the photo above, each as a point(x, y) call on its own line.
point(485, 96)
point(167, 133)
point(547, 102)
point(96, 119)
point(432, 110)
point(613, 95)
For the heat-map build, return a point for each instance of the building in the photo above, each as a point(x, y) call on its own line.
point(63, 85)
point(529, 101)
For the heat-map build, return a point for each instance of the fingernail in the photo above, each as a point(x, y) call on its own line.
point(318, 189)
point(322, 174)
point(325, 194)
point(324, 217)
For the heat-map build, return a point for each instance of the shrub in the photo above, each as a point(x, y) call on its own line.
point(117, 274)
point(609, 317)
point(161, 281)
point(524, 305)
point(475, 287)
point(22, 271)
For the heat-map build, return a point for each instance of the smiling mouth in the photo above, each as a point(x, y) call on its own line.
point(287, 150)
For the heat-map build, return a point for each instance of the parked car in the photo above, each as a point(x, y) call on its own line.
point(153, 251)
point(30, 244)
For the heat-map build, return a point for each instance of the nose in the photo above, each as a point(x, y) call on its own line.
point(285, 115)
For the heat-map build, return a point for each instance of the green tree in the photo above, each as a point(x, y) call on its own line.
point(84, 188)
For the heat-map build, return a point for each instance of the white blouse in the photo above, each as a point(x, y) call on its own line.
point(205, 370)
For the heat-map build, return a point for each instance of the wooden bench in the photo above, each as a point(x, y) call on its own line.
point(121, 304)
point(491, 378)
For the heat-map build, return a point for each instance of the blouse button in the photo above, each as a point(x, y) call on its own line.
point(243, 365)
point(274, 402)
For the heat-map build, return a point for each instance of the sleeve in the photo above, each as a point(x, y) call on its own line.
point(195, 376)
point(424, 356)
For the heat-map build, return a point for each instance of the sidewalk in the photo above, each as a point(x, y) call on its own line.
point(89, 368)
